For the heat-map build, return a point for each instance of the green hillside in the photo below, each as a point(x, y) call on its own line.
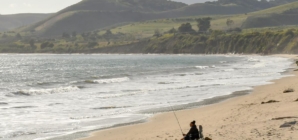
point(9, 22)
point(147, 28)
point(124, 5)
point(244, 43)
point(277, 16)
point(90, 15)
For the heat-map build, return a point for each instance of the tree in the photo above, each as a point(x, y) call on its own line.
point(172, 31)
point(4, 35)
point(74, 34)
point(204, 24)
point(32, 42)
point(65, 35)
point(230, 23)
point(157, 33)
point(46, 45)
point(92, 44)
point(186, 28)
point(18, 36)
point(108, 35)
point(235, 30)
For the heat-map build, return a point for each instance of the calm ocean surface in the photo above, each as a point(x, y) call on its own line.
point(44, 96)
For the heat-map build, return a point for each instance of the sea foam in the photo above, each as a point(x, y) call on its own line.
point(31, 92)
point(107, 81)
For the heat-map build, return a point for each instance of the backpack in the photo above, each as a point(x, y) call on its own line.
point(201, 132)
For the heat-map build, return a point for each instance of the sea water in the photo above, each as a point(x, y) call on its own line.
point(46, 96)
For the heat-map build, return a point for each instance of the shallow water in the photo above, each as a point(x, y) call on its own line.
point(44, 96)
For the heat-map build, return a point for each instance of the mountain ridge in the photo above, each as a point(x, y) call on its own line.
point(81, 17)
point(9, 22)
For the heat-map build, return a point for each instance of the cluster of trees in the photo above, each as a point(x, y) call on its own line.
point(203, 25)
point(66, 43)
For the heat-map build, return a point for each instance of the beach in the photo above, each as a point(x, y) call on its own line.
point(241, 118)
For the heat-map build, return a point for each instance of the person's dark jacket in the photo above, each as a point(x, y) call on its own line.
point(193, 132)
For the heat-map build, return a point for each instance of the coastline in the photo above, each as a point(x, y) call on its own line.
point(245, 114)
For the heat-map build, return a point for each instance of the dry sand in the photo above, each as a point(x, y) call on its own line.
point(241, 118)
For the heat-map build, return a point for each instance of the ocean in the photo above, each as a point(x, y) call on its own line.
point(48, 96)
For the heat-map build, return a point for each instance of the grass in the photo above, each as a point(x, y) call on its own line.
point(147, 28)
point(277, 9)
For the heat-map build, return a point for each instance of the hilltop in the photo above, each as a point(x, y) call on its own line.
point(124, 5)
point(101, 13)
point(9, 22)
point(90, 15)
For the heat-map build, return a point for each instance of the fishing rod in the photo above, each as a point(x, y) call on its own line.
point(176, 118)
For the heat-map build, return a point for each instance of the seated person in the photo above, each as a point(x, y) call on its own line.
point(193, 133)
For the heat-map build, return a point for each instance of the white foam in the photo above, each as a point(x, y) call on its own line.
point(113, 80)
point(48, 91)
point(202, 67)
point(253, 60)
point(105, 96)
point(227, 70)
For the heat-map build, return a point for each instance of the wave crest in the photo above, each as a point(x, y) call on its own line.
point(202, 67)
point(47, 91)
point(108, 81)
point(253, 60)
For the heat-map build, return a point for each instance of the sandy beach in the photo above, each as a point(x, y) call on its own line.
point(241, 118)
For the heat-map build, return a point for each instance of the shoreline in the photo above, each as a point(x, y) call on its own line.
point(195, 105)
point(164, 122)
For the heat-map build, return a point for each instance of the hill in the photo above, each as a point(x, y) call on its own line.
point(124, 5)
point(278, 16)
point(90, 15)
point(147, 28)
point(9, 22)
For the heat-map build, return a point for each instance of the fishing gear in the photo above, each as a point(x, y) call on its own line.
point(176, 118)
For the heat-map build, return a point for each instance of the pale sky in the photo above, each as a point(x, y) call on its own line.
point(46, 6)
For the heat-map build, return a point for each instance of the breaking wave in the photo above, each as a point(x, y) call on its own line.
point(31, 92)
point(202, 67)
point(253, 60)
point(107, 96)
point(108, 81)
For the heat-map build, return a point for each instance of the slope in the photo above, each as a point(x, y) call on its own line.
point(278, 16)
point(90, 15)
point(9, 22)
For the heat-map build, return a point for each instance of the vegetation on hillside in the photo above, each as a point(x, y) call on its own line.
point(90, 15)
point(125, 5)
point(289, 17)
point(184, 39)
point(193, 34)
point(215, 41)
point(219, 42)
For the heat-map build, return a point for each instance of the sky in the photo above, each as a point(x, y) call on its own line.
point(46, 6)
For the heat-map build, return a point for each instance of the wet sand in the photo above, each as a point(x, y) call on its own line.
point(241, 118)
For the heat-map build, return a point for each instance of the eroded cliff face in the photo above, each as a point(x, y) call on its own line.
point(246, 43)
